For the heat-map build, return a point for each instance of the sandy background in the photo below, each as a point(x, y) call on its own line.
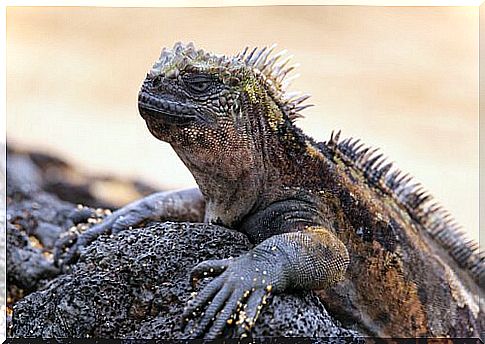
point(401, 78)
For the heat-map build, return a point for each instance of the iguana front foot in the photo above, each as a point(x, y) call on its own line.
point(236, 296)
point(124, 218)
point(182, 205)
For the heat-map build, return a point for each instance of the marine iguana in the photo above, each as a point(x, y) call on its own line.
point(332, 216)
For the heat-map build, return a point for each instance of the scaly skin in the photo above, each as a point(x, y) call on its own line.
point(328, 216)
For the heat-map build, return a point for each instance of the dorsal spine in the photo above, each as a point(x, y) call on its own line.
point(412, 196)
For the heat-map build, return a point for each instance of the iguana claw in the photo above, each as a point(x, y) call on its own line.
point(234, 297)
point(67, 251)
point(208, 268)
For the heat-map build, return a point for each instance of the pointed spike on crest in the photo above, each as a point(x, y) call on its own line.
point(334, 137)
point(257, 56)
point(472, 244)
point(395, 174)
point(382, 171)
point(407, 179)
point(400, 180)
point(262, 60)
point(242, 53)
point(365, 160)
point(373, 151)
point(289, 96)
point(178, 47)
point(363, 151)
point(337, 136)
point(359, 154)
point(303, 107)
point(190, 45)
point(353, 142)
point(287, 81)
point(375, 155)
point(359, 148)
point(343, 146)
point(301, 99)
point(434, 207)
point(386, 168)
point(270, 63)
point(345, 142)
point(369, 164)
point(248, 58)
point(283, 63)
point(272, 47)
point(283, 73)
point(379, 162)
point(408, 190)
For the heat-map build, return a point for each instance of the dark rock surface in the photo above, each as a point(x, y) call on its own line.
point(130, 285)
point(35, 219)
point(135, 285)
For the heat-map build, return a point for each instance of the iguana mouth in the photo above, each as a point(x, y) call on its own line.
point(158, 108)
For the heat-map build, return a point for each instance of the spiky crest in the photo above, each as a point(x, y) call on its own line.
point(272, 69)
point(412, 196)
point(276, 74)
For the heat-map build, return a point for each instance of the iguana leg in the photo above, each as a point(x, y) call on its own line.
point(180, 205)
point(310, 259)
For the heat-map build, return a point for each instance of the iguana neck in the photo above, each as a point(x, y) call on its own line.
point(230, 185)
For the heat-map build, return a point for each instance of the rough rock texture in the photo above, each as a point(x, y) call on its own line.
point(132, 285)
point(35, 219)
point(135, 284)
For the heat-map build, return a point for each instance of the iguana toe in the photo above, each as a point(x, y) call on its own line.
point(208, 268)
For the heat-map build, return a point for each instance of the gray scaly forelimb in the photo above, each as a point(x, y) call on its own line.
point(309, 259)
point(180, 205)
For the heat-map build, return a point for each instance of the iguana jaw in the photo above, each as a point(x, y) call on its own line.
point(164, 109)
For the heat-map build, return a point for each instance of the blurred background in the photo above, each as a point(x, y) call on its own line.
point(404, 79)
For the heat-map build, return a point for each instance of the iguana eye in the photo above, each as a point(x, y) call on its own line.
point(199, 86)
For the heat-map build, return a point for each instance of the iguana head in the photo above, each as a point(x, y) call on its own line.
point(189, 90)
point(217, 105)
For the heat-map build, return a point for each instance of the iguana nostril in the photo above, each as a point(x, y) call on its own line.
point(157, 81)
